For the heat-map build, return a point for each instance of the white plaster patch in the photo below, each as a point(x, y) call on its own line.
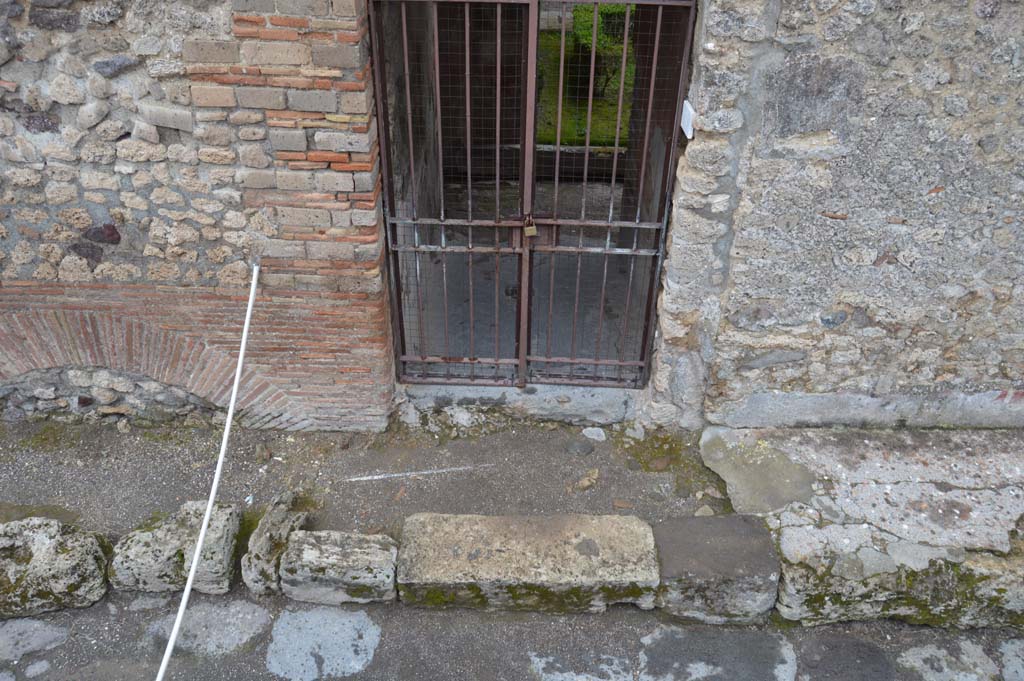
point(23, 636)
point(786, 670)
point(697, 671)
point(1012, 653)
point(608, 668)
point(312, 644)
point(937, 664)
point(203, 630)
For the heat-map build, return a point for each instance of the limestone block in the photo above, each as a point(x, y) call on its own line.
point(338, 567)
point(721, 570)
point(46, 565)
point(561, 563)
point(261, 563)
point(158, 558)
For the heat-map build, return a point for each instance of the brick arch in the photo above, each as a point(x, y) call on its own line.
point(44, 339)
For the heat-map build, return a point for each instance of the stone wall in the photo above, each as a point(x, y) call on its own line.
point(148, 152)
point(847, 232)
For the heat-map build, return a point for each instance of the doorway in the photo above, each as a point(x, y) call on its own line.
point(527, 149)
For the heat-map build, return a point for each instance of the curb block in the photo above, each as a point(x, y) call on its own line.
point(561, 563)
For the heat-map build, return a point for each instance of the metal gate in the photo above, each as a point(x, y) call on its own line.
point(528, 149)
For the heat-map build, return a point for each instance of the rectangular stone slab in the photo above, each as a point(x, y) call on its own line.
point(338, 567)
point(559, 563)
point(721, 570)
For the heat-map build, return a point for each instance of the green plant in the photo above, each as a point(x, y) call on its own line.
point(611, 25)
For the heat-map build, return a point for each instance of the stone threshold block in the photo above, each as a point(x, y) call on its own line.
point(559, 563)
point(339, 567)
point(46, 565)
point(721, 570)
point(158, 557)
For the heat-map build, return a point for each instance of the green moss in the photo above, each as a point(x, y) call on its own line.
point(632, 592)
point(154, 521)
point(533, 597)
point(247, 526)
point(363, 591)
point(49, 435)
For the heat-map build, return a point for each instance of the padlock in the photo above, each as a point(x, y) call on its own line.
point(529, 229)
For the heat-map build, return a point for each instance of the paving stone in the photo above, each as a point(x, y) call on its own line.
point(204, 630)
point(46, 565)
point(338, 567)
point(559, 563)
point(157, 558)
point(262, 561)
point(715, 654)
point(20, 637)
point(321, 643)
point(717, 570)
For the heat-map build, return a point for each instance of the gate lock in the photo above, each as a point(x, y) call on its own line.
point(529, 229)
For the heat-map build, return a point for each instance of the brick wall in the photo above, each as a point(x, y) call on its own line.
point(241, 131)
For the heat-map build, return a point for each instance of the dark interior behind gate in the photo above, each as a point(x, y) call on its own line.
point(527, 150)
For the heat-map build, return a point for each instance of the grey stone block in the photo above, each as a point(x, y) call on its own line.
point(158, 558)
point(561, 563)
point(260, 98)
point(167, 115)
point(46, 565)
point(342, 141)
point(325, 101)
point(261, 562)
point(287, 140)
point(252, 178)
point(721, 570)
point(339, 567)
point(219, 51)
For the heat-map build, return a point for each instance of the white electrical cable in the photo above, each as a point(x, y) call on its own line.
point(216, 481)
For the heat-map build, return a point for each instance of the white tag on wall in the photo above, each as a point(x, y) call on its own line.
point(687, 120)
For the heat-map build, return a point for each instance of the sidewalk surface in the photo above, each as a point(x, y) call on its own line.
point(111, 482)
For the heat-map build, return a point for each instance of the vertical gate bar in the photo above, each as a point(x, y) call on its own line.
point(600, 307)
point(469, 124)
point(394, 273)
point(497, 123)
point(419, 295)
point(437, 104)
point(533, 28)
point(629, 295)
point(408, 112)
point(497, 306)
point(576, 301)
point(650, 107)
point(444, 297)
point(383, 114)
point(618, 112)
point(472, 320)
point(667, 186)
point(590, 112)
point(558, 117)
point(551, 284)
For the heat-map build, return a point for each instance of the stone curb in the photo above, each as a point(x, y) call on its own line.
point(562, 563)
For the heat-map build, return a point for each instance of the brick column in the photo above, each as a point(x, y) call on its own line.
point(296, 84)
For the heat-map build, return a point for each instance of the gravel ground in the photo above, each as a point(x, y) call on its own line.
point(112, 482)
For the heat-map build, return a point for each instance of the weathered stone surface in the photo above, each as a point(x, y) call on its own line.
point(759, 478)
point(563, 563)
point(46, 565)
point(916, 525)
point(717, 570)
point(158, 558)
point(339, 567)
point(261, 563)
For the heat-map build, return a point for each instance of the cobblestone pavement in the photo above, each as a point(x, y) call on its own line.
point(234, 637)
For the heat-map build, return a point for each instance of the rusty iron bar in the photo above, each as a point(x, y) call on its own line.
point(558, 116)
point(408, 109)
point(526, 183)
point(590, 115)
point(497, 117)
point(438, 110)
point(650, 109)
point(618, 111)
